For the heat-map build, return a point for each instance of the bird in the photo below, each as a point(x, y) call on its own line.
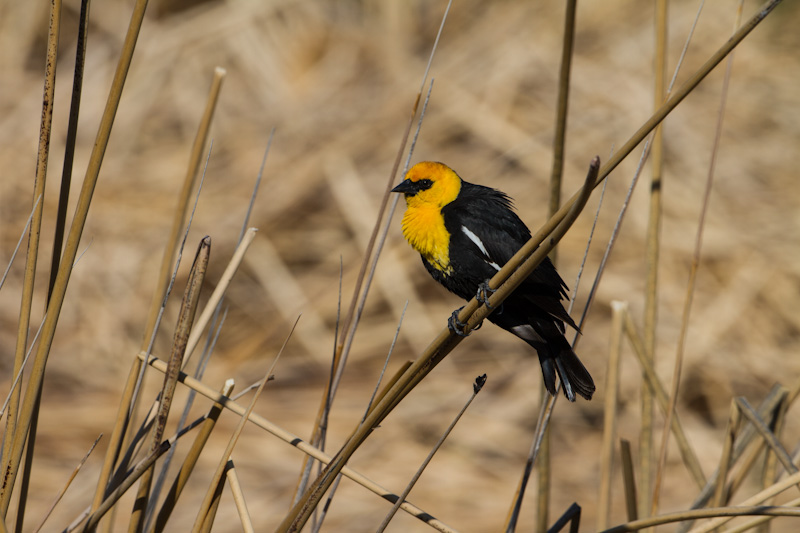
point(465, 233)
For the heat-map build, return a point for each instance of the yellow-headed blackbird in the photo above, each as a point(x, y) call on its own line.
point(465, 233)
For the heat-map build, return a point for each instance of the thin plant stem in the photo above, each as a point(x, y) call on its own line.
point(769, 437)
point(68, 483)
point(69, 148)
point(744, 439)
point(720, 515)
point(618, 311)
point(651, 379)
point(562, 107)
point(556, 174)
point(122, 420)
point(652, 250)
point(186, 314)
point(295, 441)
point(12, 458)
point(217, 478)
point(113, 497)
point(19, 242)
point(476, 388)
point(676, 373)
point(628, 479)
point(12, 435)
point(238, 498)
point(734, 419)
point(191, 460)
point(318, 524)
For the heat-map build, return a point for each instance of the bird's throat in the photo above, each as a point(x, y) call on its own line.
point(424, 229)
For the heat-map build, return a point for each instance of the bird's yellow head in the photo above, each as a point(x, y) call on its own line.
point(430, 184)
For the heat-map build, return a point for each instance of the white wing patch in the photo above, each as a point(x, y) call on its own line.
point(526, 332)
point(479, 243)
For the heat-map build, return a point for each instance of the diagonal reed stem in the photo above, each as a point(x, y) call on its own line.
point(510, 276)
point(202, 514)
point(121, 423)
point(186, 314)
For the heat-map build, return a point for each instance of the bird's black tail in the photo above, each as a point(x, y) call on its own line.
point(574, 376)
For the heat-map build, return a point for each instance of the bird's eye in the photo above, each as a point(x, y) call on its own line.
point(424, 184)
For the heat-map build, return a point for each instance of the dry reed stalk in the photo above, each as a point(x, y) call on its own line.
point(349, 324)
point(777, 401)
point(113, 497)
point(562, 106)
point(651, 379)
point(649, 483)
point(68, 483)
point(390, 384)
point(769, 437)
point(556, 173)
point(545, 412)
point(213, 506)
point(61, 217)
point(618, 312)
point(69, 147)
point(719, 514)
point(406, 286)
point(628, 479)
point(734, 420)
point(8, 268)
point(746, 436)
point(204, 510)
point(11, 438)
point(186, 314)
point(187, 467)
point(611, 241)
point(320, 518)
point(219, 290)
point(238, 498)
point(476, 388)
point(299, 443)
point(120, 429)
point(11, 464)
point(757, 522)
point(690, 289)
point(350, 189)
point(756, 499)
point(769, 471)
point(543, 476)
point(572, 516)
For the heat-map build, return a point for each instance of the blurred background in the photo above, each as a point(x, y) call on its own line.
point(337, 81)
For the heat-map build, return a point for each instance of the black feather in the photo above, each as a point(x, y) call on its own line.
point(534, 312)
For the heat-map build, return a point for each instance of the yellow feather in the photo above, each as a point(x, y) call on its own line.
point(423, 228)
point(423, 223)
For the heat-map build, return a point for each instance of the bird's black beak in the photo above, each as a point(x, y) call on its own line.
point(407, 187)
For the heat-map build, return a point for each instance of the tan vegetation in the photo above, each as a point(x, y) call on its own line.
point(337, 81)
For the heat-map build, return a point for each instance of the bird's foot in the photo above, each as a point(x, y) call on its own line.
point(483, 295)
point(458, 327)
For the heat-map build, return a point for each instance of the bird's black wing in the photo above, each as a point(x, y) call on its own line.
point(485, 233)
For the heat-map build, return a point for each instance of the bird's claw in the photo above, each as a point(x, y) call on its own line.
point(458, 327)
point(483, 295)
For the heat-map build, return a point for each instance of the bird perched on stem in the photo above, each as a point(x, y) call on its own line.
point(465, 233)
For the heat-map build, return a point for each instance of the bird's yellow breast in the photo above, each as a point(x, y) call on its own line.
point(424, 229)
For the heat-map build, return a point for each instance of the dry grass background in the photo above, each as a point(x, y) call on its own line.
point(337, 80)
